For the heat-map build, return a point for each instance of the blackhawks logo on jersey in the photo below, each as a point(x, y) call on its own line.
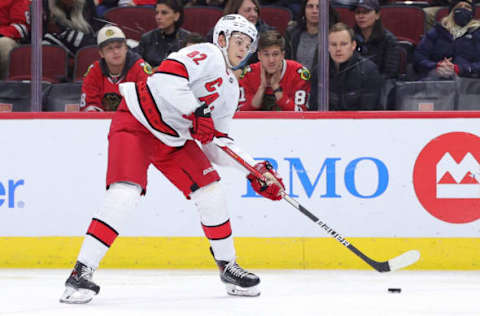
point(146, 68)
point(304, 73)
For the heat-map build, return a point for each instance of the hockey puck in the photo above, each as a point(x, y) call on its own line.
point(394, 290)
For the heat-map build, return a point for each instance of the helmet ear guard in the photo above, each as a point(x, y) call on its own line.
point(229, 24)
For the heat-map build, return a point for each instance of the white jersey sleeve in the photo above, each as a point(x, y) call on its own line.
point(194, 75)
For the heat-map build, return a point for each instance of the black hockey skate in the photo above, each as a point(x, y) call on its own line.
point(79, 289)
point(238, 281)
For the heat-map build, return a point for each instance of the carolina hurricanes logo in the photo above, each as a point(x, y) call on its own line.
point(446, 177)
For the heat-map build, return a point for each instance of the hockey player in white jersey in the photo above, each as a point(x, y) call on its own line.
point(192, 97)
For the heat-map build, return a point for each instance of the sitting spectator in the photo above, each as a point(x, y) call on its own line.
point(250, 9)
point(431, 11)
point(71, 24)
point(374, 41)
point(211, 3)
point(452, 47)
point(302, 35)
point(13, 29)
point(274, 84)
point(168, 37)
point(354, 82)
point(117, 64)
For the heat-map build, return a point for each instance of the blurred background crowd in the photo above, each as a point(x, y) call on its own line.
point(383, 55)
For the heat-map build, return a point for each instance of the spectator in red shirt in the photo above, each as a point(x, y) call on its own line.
point(117, 64)
point(13, 29)
point(274, 83)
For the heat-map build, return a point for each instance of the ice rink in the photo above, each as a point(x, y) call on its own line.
point(284, 292)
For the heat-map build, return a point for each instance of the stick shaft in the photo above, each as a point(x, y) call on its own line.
point(379, 266)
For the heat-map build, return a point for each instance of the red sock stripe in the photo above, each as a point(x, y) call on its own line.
point(173, 67)
point(102, 232)
point(221, 231)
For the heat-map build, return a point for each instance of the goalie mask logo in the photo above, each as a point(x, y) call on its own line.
point(446, 177)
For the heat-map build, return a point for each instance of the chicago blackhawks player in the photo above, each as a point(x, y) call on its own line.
point(192, 96)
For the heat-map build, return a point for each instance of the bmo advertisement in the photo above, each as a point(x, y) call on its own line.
point(387, 182)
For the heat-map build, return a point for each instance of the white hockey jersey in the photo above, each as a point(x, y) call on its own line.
point(185, 80)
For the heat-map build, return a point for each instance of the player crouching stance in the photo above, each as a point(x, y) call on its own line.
point(193, 96)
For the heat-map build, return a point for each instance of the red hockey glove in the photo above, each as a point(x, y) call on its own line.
point(203, 128)
point(274, 186)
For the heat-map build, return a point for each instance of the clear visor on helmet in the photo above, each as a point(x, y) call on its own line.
point(244, 41)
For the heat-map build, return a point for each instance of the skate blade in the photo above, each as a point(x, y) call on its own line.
point(76, 296)
point(236, 290)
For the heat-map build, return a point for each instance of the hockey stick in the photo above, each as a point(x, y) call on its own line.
point(399, 262)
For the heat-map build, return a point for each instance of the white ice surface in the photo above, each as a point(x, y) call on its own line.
point(284, 292)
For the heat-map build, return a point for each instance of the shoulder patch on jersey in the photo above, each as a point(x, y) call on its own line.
point(146, 68)
point(245, 70)
point(88, 70)
point(304, 73)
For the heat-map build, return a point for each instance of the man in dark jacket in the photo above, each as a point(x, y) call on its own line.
point(354, 83)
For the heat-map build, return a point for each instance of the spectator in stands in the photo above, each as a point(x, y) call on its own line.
point(211, 3)
point(354, 82)
point(168, 37)
point(71, 24)
point(13, 29)
point(452, 47)
point(431, 11)
point(274, 84)
point(117, 64)
point(302, 35)
point(374, 41)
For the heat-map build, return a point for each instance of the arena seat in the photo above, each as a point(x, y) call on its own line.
point(15, 95)
point(346, 15)
point(201, 19)
point(84, 57)
point(406, 22)
point(468, 92)
point(425, 95)
point(276, 16)
point(134, 21)
point(62, 97)
point(54, 63)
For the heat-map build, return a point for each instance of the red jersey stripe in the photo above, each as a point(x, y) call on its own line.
point(221, 231)
point(173, 67)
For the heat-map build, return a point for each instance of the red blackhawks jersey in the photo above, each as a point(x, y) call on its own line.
point(14, 17)
point(188, 78)
point(294, 82)
point(100, 90)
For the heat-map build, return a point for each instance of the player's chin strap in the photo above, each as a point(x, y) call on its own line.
point(399, 262)
point(243, 62)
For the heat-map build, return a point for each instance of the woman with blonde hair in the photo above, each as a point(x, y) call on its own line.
point(452, 47)
point(71, 24)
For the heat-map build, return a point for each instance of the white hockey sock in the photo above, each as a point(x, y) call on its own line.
point(120, 199)
point(211, 205)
